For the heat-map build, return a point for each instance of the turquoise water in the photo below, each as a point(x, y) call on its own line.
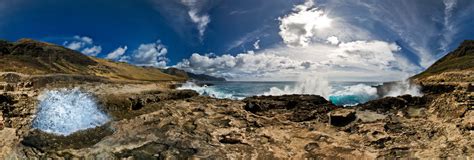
point(339, 93)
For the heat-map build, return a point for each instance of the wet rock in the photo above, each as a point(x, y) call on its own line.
point(179, 94)
point(437, 88)
point(342, 117)
point(297, 108)
point(81, 139)
point(393, 104)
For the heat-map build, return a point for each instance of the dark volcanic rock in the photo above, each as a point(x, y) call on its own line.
point(437, 88)
point(393, 104)
point(295, 108)
point(81, 139)
point(131, 105)
point(342, 117)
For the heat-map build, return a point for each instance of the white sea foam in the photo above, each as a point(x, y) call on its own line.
point(306, 85)
point(206, 90)
point(66, 111)
point(339, 93)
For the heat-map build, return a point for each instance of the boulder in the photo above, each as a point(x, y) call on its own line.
point(342, 117)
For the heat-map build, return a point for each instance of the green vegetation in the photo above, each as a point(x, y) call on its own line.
point(38, 58)
point(458, 60)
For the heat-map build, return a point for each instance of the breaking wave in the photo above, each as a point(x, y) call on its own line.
point(66, 111)
point(353, 95)
point(207, 91)
point(339, 93)
point(315, 86)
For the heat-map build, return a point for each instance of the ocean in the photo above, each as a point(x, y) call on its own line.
point(339, 93)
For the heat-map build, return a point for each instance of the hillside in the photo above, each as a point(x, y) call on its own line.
point(39, 58)
point(457, 65)
point(198, 77)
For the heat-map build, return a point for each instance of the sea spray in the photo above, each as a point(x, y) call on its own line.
point(306, 85)
point(206, 90)
point(402, 88)
point(66, 111)
point(339, 93)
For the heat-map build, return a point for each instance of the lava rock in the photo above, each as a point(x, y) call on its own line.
point(342, 117)
point(296, 108)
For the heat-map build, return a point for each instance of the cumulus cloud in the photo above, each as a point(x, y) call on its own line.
point(117, 53)
point(299, 27)
point(355, 54)
point(240, 66)
point(83, 44)
point(333, 40)
point(357, 59)
point(92, 51)
point(150, 54)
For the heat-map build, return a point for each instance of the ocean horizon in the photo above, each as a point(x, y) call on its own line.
point(342, 93)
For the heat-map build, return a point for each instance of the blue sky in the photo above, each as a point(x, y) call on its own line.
point(252, 39)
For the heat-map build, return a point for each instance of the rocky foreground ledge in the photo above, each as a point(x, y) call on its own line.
point(151, 121)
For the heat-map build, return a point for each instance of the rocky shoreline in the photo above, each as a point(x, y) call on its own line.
point(152, 121)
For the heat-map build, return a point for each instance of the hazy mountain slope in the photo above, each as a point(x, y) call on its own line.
point(37, 58)
point(198, 77)
point(457, 65)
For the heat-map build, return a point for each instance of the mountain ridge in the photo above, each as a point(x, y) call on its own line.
point(457, 65)
point(33, 57)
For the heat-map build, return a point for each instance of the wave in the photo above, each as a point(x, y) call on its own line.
point(208, 91)
point(353, 95)
point(339, 93)
point(314, 86)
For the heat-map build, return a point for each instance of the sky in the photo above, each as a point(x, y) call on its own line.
point(251, 40)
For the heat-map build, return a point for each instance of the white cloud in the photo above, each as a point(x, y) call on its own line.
point(352, 60)
point(449, 28)
point(196, 15)
point(201, 21)
point(298, 28)
point(333, 40)
point(256, 45)
point(74, 45)
point(92, 51)
point(247, 38)
point(150, 54)
point(117, 53)
point(84, 39)
point(83, 44)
